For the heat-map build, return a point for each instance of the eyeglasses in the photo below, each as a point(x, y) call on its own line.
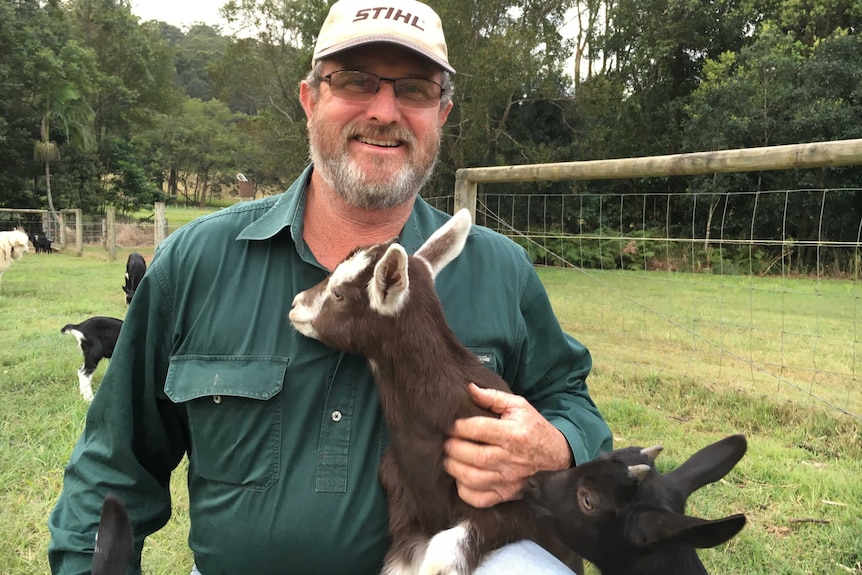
point(361, 86)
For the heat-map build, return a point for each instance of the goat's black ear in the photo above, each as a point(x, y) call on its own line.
point(661, 526)
point(709, 464)
point(115, 540)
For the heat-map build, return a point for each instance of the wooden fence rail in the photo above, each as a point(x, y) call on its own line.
point(793, 156)
point(77, 224)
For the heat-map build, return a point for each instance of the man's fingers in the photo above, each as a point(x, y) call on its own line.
point(468, 476)
point(479, 429)
point(481, 499)
point(494, 399)
point(480, 487)
point(474, 454)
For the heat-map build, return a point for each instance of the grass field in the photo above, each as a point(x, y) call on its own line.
point(799, 484)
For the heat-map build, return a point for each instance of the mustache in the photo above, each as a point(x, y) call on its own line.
point(376, 132)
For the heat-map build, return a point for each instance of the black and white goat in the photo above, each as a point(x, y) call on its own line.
point(380, 303)
point(114, 540)
point(96, 337)
point(135, 268)
point(626, 518)
point(42, 243)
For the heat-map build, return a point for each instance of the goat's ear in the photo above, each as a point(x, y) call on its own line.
point(115, 540)
point(446, 243)
point(662, 526)
point(387, 290)
point(709, 464)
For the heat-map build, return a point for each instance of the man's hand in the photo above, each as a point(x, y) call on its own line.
point(491, 459)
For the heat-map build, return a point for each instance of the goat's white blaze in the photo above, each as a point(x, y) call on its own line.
point(307, 304)
point(349, 269)
point(446, 552)
point(304, 310)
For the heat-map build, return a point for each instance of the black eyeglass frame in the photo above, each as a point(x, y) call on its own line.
point(342, 92)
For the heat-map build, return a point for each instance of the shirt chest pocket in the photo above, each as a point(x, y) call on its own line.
point(234, 407)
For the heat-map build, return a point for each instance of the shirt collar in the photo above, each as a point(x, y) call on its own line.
point(289, 210)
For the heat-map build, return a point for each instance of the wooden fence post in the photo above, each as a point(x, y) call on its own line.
point(63, 229)
point(465, 193)
point(161, 225)
point(79, 232)
point(111, 216)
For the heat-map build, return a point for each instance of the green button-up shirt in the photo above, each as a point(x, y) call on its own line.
point(283, 434)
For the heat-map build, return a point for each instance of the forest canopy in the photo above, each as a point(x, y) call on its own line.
point(98, 108)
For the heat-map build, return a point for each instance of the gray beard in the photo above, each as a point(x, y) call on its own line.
point(342, 175)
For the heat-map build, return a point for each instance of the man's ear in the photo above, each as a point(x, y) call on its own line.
point(308, 98)
point(444, 112)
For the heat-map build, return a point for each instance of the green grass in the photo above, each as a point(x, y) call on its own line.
point(179, 215)
point(789, 339)
point(799, 483)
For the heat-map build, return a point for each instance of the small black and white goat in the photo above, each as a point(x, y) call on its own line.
point(114, 540)
point(42, 243)
point(619, 513)
point(96, 337)
point(135, 268)
point(380, 303)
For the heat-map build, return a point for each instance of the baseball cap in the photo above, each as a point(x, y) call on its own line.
point(408, 23)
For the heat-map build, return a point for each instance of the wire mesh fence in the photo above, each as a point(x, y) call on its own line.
point(757, 291)
point(95, 229)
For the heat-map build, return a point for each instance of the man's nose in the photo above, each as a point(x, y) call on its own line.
point(384, 105)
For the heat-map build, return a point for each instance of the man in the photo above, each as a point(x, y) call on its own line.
point(284, 435)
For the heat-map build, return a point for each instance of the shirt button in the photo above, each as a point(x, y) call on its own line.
point(216, 399)
point(336, 416)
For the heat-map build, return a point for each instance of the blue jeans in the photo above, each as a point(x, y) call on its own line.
point(519, 558)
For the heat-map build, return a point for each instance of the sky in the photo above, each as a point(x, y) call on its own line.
point(180, 13)
point(183, 13)
point(186, 12)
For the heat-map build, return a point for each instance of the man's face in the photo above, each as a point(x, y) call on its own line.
point(378, 153)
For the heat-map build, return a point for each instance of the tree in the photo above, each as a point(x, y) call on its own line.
point(199, 48)
point(64, 105)
point(48, 72)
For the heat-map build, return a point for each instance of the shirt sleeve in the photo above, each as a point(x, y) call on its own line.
point(552, 374)
point(132, 440)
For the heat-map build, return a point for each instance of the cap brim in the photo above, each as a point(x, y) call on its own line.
point(382, 39)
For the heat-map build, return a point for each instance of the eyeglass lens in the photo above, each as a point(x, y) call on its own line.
point(356, 85)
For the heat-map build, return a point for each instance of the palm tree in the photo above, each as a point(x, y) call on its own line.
point(64, 105)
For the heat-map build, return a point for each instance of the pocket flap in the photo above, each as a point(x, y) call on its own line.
point(250, 376)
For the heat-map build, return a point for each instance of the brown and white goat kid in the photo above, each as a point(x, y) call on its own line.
point(380, 303)
point(619, 513)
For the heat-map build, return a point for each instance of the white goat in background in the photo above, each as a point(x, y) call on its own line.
point(13, 245)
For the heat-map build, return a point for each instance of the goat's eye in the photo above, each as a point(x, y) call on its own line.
point(337, 295)
point(586, 501)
